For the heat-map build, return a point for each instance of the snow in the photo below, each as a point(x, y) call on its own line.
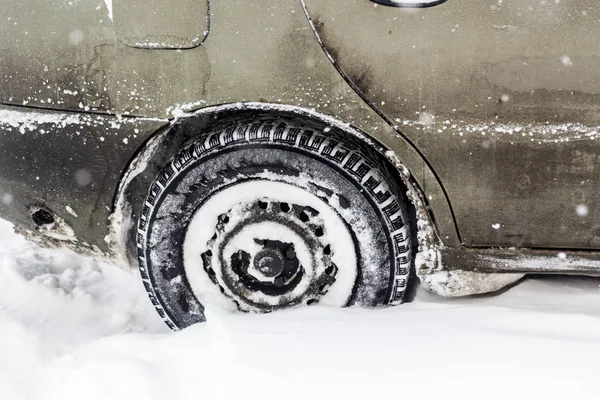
point(458, 283)
point(26, 121)
point(566, 61)
point(7, 198)
point(109, 7)
point(121, 219)
point(540, 132)
point(74, 329)
point(76, 36)
point(582, 210)
point(83, 177)
point(71, 211)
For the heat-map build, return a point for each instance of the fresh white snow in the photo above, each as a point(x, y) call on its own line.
point(109, 7)
point(75, 329)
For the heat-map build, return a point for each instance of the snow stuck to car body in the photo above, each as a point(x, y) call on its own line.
point(30, 121)
point(514, 132)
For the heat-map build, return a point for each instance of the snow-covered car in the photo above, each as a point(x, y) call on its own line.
point(258, 155)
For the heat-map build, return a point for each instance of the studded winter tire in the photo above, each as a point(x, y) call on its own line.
point(267, 214)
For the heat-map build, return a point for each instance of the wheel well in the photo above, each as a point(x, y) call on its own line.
point(162, 146)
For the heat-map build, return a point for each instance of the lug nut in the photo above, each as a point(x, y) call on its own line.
point(290, 253)
point(279, 281)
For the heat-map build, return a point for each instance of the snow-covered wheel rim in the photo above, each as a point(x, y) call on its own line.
point(222, 215)
point(267, 245)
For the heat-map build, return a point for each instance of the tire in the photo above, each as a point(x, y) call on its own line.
point(267, 214)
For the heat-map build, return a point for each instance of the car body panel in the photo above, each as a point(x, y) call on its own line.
point(69, 164)
point(265, 53)
point(502, 99)
point(68, 57)
point(69, 61)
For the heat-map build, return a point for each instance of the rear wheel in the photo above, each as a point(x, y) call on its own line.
point(269, 214)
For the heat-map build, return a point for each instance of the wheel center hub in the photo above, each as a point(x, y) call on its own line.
point(274, 269)
point(251, 265)
point(269, 263)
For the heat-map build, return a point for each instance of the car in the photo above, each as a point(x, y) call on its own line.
point(256, 156)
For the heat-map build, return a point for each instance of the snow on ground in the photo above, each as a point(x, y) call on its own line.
point(74, 329)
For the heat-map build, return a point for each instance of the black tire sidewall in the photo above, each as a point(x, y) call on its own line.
point(212, 161)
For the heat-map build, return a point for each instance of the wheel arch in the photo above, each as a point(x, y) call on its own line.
point(165, 143)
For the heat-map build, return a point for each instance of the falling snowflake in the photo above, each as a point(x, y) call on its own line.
point(582, 210)
point(566, 61)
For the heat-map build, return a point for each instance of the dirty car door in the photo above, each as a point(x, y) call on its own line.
point(501, 97)
point(86, 56)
